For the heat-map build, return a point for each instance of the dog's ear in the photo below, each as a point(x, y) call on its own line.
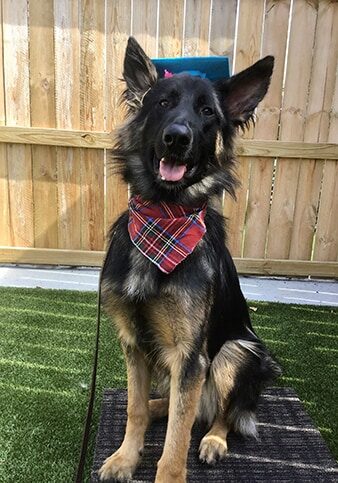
point(240, 95)
point(139, 73)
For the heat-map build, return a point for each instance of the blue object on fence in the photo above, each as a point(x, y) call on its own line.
point(212, 68)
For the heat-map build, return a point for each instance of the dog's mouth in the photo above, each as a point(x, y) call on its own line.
point(171, 169)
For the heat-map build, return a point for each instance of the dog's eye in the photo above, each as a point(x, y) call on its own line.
point(164, 103)
point(207, 111)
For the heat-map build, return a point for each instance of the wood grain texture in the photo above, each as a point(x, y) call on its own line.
point(55, 137)
point(92, 199)
point(296, 268)
point(5, 231)
point(144, 27)
point(49, 256)
point(103, 140)
point(266, 127)
point(45, 197)
point(303, 24)
point(222, 42)
point(118, 30)
point(324, 60)
point(42, 85)
point(326, 243)
point(60, 68)
point(67, 92)
point(197, 20)
point(4, 187)
point(17, 101)
point(2, 73)
point(95, 258)
point(92, 112)
point(170, 42)
point(248, 46)
point(222, 30)
point(286, 149)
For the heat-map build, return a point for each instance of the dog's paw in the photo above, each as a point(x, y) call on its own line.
point(212, 449)
point(118, 466)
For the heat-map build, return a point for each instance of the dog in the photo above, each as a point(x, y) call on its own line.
point(169, 282)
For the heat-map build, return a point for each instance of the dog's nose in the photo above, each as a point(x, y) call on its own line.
point(177, 135)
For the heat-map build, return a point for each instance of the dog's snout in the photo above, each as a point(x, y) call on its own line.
point(177, 136)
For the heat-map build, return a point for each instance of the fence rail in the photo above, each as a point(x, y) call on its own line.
point(103, 140)
point(48, 256)
point(60, 62)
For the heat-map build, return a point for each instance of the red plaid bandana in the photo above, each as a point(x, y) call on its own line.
point(165, 233)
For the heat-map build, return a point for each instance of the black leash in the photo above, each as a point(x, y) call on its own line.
point(86, 431)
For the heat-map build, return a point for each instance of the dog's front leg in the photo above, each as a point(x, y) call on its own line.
point(122, 464)
point(185, 394)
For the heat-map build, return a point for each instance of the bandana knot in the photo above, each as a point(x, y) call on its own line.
point(165, 233)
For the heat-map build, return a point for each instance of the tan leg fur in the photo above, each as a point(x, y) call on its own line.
point(122, 464)
point(183, 404)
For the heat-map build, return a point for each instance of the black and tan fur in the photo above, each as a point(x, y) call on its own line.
point(190, 330)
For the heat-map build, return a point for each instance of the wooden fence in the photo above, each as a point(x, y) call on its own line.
point(59, 89)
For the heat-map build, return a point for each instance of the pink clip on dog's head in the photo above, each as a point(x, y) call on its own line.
point(167, 74)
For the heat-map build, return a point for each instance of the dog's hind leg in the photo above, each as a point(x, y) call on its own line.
point(158, 408)
point(213, 445)
point(122, 464)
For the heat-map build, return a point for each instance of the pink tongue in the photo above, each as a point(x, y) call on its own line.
point(171, 172)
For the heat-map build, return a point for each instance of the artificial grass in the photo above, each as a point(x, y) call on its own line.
point(46, 345)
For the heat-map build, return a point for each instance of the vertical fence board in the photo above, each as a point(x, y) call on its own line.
point(41, 32)
point(92, 119)
point(222, 30)
point(304, 16)
point(222, 42)
point(2, 91)
point(323, 75)
point(144, 26)
point(197, 18)
point(266, 127)
point(324, 62)
point(67, 91)
point(16, 76)
point(326, 246)
point(171, 28)
point(5, 238)
point(117, 32)
point(247, 52)
point(4, 200)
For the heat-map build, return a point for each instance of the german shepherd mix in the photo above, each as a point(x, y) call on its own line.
point(169, 281)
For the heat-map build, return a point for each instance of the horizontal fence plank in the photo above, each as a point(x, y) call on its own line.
point(50, 256)
point(45, 256)
point(103, 140)
point(55, 137)
point(285, 149)
point(290, 268)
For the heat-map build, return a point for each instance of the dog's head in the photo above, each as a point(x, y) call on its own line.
point(177, 142)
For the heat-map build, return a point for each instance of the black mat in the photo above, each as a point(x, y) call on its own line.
point(290, 448)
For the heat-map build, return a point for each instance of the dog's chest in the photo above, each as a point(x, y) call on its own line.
point(144, 280)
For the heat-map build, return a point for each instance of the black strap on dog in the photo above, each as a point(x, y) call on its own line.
point(86, 431)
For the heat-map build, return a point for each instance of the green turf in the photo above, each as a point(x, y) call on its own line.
point(46, 343)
